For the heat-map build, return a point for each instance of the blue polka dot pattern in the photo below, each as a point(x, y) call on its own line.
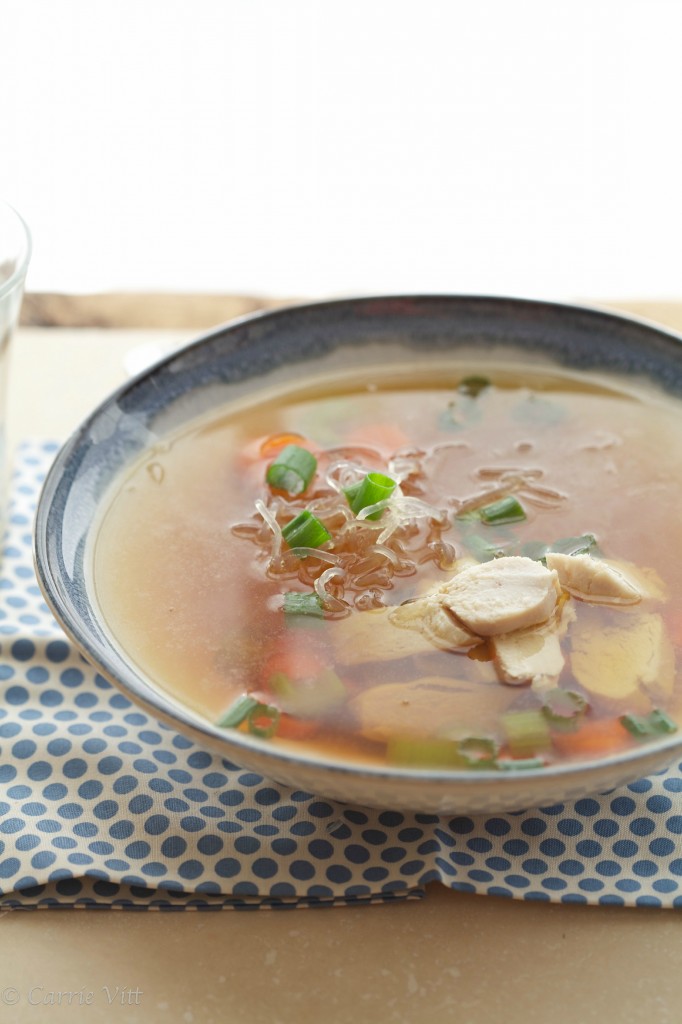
point(100, 805)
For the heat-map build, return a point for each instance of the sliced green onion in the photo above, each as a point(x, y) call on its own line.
point(305, 531)
point(662, 722)
point(535, 549)
point(292, 470)
point(497, 513)
point(296, 603)
point(563, 707)
point(473, 385)
point(482, 550)
point(506, 510)
point(657, 723)
point(636, 725)
point(527, 732)
point(472, 515)
point(237, 712)
point(513, 764)
point(263, 720)
point(372, 488)
point(479, 751)
point(586, 544)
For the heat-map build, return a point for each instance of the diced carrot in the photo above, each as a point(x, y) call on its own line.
point(592, 738)
point(265, 449)
point(274, 444)
point(292, 728)
point(287, 726)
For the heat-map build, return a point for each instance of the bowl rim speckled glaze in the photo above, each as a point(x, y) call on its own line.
point(236, 359)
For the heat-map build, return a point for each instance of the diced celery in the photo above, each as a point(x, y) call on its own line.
point(527, 732)
point(413, 752)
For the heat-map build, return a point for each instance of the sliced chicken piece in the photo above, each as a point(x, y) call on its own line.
point(531, 656)
point(618, 660)
point(594, 580)
point(432, 706)
point(534, 655)
point(503, 595)
point(432, 619)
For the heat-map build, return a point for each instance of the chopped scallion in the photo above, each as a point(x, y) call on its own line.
point(296, 603)
point(263, 720)
point(481, 549)
point(535, 549)
point(305, 531)
point(586, 544)
point(657, 723)
point(238, 712)
point(473, 385)
point(292, 470)
point(372, 488)
point(352, 492)
point(512, 764)
point(497, 513)
point(506, 510)
point(662, 722)
point(636, 726)
point(479, 751)
point(563, 707)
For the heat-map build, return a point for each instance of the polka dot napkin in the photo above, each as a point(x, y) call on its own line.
point(101, 806)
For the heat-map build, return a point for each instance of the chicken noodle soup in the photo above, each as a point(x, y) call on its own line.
point(475, 569)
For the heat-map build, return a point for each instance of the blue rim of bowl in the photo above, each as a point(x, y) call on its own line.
point(181, 716)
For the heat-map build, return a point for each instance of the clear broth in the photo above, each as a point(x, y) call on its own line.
point(194, 607)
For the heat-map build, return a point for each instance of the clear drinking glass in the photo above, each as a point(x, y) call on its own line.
point(15, 254)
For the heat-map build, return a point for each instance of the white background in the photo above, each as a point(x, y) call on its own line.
point(311, 148)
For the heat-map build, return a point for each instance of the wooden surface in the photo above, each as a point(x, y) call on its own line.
point(158, 310)
point(197, 312)
point(451, 958)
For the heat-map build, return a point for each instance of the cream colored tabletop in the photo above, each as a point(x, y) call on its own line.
point(451, 957)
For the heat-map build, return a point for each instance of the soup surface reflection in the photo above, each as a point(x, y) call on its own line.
point(470, 569)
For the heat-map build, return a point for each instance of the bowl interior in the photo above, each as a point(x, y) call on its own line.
point(275, 350)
